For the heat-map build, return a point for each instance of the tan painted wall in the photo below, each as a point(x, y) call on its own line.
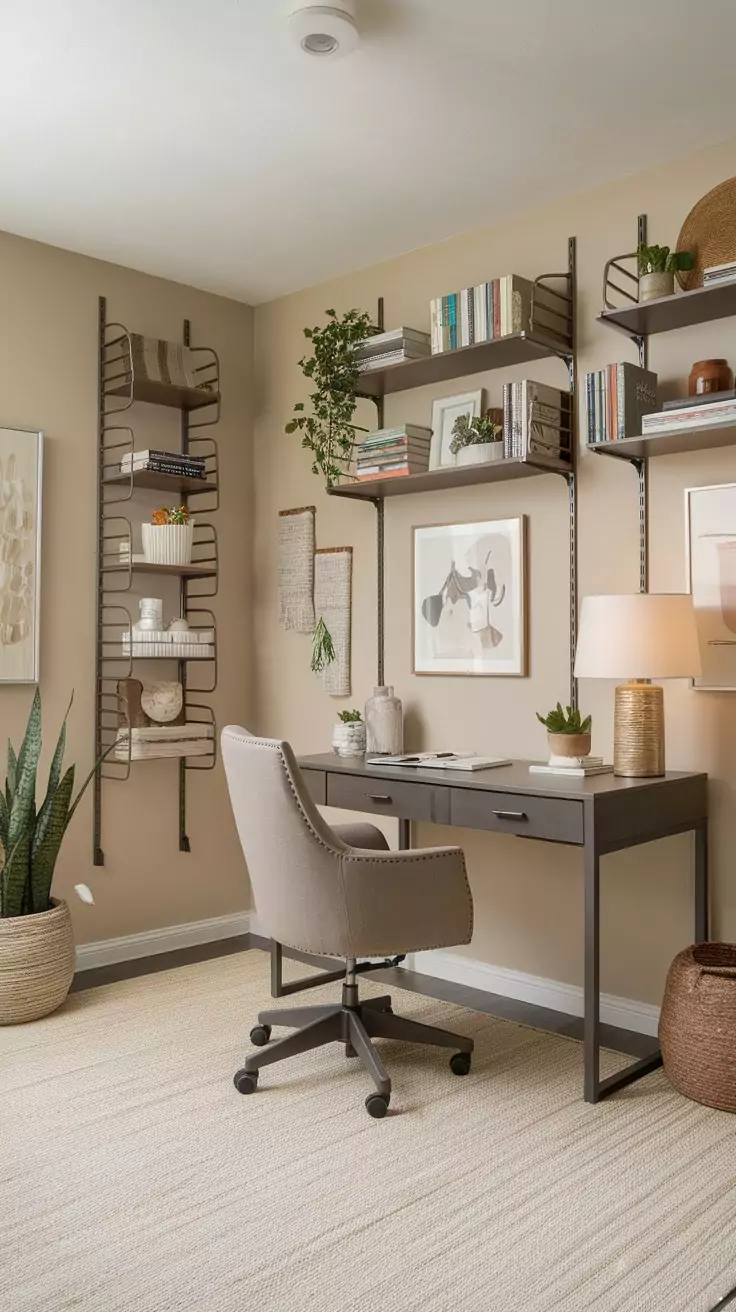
point(528, 895)
point(48, 364)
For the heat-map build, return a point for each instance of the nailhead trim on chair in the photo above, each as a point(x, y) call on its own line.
point(388, 859)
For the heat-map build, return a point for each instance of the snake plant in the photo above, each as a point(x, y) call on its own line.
point(30, 838)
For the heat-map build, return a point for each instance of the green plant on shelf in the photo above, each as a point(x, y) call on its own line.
point(328, 430)
point(323, 648)
point(565, 720)
point(349, 717)
point(170, 515)
point(660, 259)
point(467, 431)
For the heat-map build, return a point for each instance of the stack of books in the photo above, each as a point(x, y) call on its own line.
point(394, 452)
point(716, 274)
point(696, 412)
point(392, 347)
point(592, 765)
point(618, 397)
point(480, 314)
point(536, 421)
point(164, 462)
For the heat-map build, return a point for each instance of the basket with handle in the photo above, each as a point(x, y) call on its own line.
point(697, 1025)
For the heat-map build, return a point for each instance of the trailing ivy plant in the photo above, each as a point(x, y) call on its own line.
point(327, 429)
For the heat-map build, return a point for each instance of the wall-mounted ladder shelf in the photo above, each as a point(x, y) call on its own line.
point(119, 389)
point(551, 334)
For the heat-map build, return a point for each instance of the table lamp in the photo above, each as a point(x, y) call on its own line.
point(639, 637)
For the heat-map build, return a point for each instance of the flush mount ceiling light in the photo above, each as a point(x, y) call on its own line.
point(326, 31)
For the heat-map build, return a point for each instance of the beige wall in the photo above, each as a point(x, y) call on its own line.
point(48, 358)
point(528, 895)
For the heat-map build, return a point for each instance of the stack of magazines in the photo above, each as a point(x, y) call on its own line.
point(393, 452)
point(536, 420)
point(392, 347)
point(717, 274)
point(696, 412)
point(164, 462)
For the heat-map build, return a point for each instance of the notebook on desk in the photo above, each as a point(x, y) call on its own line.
point(441, 761)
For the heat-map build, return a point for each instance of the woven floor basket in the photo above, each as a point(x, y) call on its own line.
point(697, 1026)
point(37, 961)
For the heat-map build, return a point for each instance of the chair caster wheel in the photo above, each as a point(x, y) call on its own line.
point(260, 1034)
point(246, 1081)
point(376, 1104)
point(460, 1063)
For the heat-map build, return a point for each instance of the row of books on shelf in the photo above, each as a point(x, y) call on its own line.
point(164, 462)
point(392, 347)
point(617, 399)
point(481, 313)
point(536, 421)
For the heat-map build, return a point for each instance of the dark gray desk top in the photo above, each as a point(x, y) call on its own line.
point(505, 778)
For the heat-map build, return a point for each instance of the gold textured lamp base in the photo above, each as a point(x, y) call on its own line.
point(638, 730)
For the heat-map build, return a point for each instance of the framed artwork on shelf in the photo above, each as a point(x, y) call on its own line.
point(710, 530)
point(469, 598)
point(444, 413)
point(21, 460)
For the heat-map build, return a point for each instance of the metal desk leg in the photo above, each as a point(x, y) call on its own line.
point(702, 929)
point(281, 990)
point(592, 989)
point(404, 835)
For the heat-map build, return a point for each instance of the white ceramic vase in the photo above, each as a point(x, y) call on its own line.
point(384, 718)
point(349, 739)
point(654, 285)
point(479, 453)
point(167, 544)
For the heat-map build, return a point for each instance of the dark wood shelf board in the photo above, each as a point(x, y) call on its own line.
point(666, 313)
point(438, 480)
point(193, 571)
point(168, 394)
point(668, 444)
point(516, 348)
point(162, 482)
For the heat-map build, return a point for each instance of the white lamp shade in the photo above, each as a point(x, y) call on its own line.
point(641, 635)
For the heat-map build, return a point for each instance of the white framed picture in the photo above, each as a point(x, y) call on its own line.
point(444, 413)
point(469, 598)
point(21, 460)
point(710, 534)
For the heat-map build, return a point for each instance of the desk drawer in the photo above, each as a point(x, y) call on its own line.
point(316, 781)
point(555, 819)
point(389, 797)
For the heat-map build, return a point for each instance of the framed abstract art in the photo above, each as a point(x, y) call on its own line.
point(21, 457)
point(710, 531)
point(469, 604)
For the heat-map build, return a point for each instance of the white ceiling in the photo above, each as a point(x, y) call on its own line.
point(187, 138)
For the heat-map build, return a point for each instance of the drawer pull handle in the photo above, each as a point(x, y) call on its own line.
point(378, 797)
point(511, 815)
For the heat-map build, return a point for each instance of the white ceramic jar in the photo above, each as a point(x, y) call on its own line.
point(349, 739)
point(384, 720)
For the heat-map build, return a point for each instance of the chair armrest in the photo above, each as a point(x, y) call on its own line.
point(362, 835)
point(407, 901)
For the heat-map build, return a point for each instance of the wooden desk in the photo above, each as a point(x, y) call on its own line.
point(600, 814)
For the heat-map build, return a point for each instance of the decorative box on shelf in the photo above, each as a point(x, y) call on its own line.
point(157, 644)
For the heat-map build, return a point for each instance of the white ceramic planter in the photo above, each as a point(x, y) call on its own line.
point(654, 285)
point(349, 739)
point(480, 453)
point(167, 544)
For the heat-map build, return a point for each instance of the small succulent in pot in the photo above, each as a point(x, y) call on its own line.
point(657, 268)
point(170, 515)
point(568, 734)
point(349, 736)
point(349, 717)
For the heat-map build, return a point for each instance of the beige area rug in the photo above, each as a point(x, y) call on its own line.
point(134, 1177)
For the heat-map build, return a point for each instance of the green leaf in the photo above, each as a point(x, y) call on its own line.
point(299, 405)
point(290, 427)
point(32, 737)
point(4, 820)
point(11, 776)
point(16, 875)
point(23, 809)
point(47, 841)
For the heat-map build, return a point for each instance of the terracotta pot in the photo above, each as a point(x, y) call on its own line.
point(654, 285)
point(709, 376)
point(37, 961)
point(569, 744)
point(479, 453)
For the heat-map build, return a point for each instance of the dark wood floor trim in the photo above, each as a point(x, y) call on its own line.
point(492, 1004)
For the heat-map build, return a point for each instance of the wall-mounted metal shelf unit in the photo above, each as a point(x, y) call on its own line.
point(119, 389)
point(640, 320)
point(551, 334)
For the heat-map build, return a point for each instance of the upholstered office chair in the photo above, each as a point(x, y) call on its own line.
point(342, 893)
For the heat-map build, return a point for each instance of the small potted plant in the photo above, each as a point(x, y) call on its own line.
point(37, 955)
point(568, 736)
point(477, 440)
point(169, 538)
point(657, 268)
point(348, 737)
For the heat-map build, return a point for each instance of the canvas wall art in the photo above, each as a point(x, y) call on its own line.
point(710, 525)
point(20, 553)
point(469, 598)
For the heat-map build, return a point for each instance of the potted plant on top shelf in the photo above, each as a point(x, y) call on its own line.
point(657, 268)
point(333, 369)
point(477, 440)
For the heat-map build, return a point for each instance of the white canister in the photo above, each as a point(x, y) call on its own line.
point(152, 614)
point(349, 739)
point(168, 544)
point(384, 720)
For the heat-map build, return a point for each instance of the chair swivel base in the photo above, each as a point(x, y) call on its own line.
point(354, 1026)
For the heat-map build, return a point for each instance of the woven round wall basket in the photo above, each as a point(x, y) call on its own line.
point(37, 962)
point(697, 1025)
point(709, 231)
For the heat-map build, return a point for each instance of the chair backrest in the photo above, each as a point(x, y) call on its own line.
point(292, 855)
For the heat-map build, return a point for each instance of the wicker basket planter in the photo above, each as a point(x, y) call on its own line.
point(697, 1026)
point(37, 960)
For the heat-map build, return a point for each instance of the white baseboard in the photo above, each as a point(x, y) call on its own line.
point(627, 1014)
point(152, 941)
